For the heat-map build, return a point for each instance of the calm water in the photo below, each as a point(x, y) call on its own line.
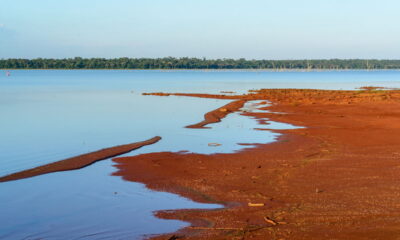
point(51, 115)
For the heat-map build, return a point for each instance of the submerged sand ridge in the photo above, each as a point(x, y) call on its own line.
point(336, 179)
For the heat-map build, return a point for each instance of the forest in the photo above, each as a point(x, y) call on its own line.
point(195, 63)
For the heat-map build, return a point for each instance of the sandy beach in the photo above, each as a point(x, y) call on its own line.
point(336, 178)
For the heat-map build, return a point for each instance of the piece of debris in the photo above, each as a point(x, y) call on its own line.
point(214, 144)
point(256, 204)
point(270, 221)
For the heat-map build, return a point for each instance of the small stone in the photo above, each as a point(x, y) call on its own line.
point(318, 190)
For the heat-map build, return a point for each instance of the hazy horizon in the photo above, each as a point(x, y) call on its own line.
point(255, 29)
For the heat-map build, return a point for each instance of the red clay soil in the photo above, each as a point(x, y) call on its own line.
point(218, 114)
point(339, 178)
point(78, 161)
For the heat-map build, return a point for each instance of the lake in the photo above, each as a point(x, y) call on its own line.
point(49, 115)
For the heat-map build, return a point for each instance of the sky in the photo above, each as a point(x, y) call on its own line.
point(252, 29)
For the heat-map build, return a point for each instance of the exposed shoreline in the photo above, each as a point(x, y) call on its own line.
point(336, 178)
point(78, 162)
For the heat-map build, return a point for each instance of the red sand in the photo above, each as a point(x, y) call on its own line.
point(339, 178)
point(79, 161)
point(218, 114)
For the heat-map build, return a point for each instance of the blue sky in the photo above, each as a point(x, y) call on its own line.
point(259, 29)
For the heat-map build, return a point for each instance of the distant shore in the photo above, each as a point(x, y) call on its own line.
point(197, 63)
point(205, 70)
point(335, 179)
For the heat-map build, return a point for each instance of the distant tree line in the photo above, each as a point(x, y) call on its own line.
point(194, 63)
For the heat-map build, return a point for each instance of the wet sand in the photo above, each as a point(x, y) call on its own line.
point(78, 162)
point(216, 115)
point(338, 178)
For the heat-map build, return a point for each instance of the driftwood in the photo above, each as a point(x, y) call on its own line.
point(256, 204)
point(269, 220)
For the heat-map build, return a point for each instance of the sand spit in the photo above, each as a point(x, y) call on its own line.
point(199, 95)
point(78, 162)
point(218, 114)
